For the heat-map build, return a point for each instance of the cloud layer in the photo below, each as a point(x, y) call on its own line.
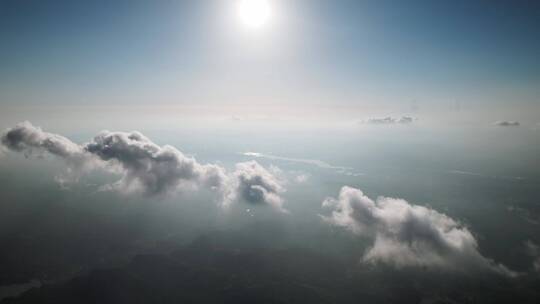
point(147, 167)
point(407, 235)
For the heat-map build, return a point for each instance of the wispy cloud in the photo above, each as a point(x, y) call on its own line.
point(534, 251)
point(313, 162)
point(460, 172)
point(525, 214)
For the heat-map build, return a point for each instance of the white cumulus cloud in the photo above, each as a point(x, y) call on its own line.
point(407, 235)
point(151, 168)
point(33, 141)
point(254, 184)
point(147, 167)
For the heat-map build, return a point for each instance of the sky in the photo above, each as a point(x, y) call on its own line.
point(290, 151)
point(364, 55)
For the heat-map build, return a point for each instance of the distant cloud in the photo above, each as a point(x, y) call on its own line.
point(407, 235)
point(254, 184)
point(147, 167)
point(507, 123)
point(389, 120)
point(301, 178)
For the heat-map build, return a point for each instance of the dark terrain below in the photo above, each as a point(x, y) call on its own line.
point(208, 271)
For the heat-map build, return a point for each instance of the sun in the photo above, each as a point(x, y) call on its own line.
point(254, 13)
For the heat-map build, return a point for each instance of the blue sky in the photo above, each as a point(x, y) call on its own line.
point(310, 53)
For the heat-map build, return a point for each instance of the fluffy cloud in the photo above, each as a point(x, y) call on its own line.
point(147, 167)
point(153, 169)
point(507, 123)
point(33, 141)
point(254, 184)
point(389, 120)
point(407, 235)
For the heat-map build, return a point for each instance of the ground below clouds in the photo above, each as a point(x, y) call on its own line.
point(212, 270)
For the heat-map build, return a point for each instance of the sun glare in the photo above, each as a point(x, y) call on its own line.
point(254, 13)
